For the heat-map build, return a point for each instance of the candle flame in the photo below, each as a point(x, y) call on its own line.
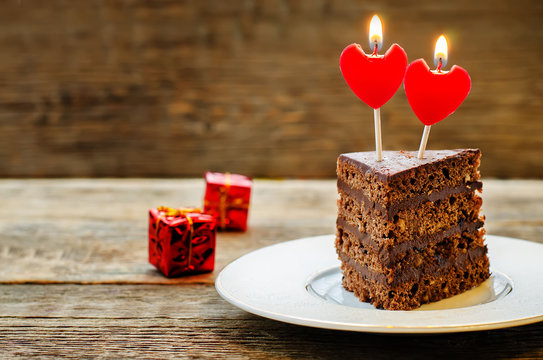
point(441, 52)
point(376, 33)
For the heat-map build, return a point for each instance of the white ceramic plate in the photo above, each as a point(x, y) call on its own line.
point(299, 282)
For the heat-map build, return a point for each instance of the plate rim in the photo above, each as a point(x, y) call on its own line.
point(367, 327)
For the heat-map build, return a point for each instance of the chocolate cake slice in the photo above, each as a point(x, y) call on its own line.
point(409, 230)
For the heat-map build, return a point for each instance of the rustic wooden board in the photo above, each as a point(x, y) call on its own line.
point(192, 321)
point(87, 231)
point(173, 88)
point(95, 231)
point(59, 236)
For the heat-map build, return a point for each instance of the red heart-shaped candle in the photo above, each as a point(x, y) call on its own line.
point(374, 79)
point(434, 96)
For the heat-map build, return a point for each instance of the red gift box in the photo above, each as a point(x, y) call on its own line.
point(227, 199)
point(181, 241)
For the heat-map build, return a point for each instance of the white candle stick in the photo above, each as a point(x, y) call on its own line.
point(378, 144)
point(424, 140)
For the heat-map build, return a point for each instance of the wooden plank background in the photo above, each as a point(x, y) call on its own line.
point(172, 88)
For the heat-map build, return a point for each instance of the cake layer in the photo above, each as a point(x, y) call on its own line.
point(409, 224)
point(393, 264)
point(401, 176)
point(412, 294)
point(390, 253)
point(368, 205)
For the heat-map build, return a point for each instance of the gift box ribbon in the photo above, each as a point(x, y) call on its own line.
point(171, 212)
point(236, 203)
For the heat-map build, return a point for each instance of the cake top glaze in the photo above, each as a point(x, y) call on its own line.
point(395, 163)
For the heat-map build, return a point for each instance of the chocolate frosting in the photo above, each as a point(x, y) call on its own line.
point(397, 162)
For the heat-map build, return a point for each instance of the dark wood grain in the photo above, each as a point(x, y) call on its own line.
point(143, 321)
point(174, 88)
point(89, 231)
point(74, 278)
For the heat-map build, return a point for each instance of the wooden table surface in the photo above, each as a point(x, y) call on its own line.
point(75, 282)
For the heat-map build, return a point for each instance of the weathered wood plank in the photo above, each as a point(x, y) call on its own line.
point(95, 231)
point(86, 231)
point(143, 321)
point(173, 88)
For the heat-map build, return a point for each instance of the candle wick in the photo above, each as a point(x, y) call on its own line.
point(439, 64)
point(375, 50)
